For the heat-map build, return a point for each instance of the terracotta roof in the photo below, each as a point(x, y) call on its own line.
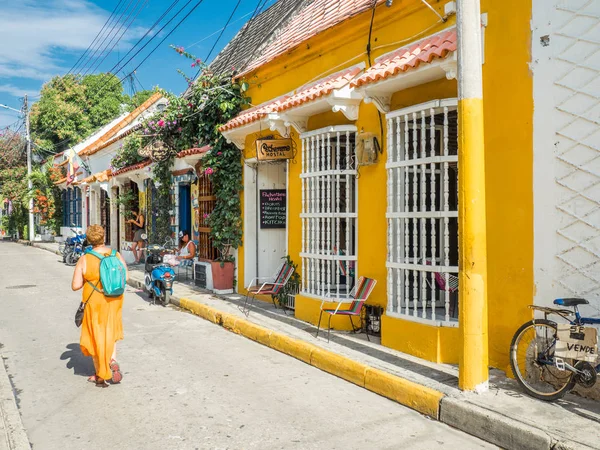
point(319, 89)
point(193, 151)
point(133, 167)
point(103, 142)
point(437, 46)
point(253, 114)
point(314, 18)
point(61, 181)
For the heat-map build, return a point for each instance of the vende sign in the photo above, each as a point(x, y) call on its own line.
point(273, 149)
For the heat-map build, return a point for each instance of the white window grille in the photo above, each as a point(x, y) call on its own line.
point(329, 212)
point(422, 212)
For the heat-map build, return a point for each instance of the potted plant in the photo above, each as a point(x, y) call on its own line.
point(223, 270)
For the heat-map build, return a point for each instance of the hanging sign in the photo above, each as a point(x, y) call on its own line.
point(272, 208)
point(158, 151)
point(274, 149)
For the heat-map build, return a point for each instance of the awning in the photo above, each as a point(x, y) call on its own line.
point(430, 59)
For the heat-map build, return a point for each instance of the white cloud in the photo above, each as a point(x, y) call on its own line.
point(16, 91)
point(35, 34)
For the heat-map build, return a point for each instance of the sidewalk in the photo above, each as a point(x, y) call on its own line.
point(503, 416)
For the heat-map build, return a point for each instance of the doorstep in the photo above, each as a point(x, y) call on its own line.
point(503, 416)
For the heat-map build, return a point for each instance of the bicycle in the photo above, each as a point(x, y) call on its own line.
point(537, 369)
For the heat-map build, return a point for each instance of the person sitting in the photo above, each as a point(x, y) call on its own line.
point(186, 250)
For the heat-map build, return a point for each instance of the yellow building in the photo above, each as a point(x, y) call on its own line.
point(368, 96)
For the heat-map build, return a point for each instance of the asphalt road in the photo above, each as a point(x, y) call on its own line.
point(188, 384)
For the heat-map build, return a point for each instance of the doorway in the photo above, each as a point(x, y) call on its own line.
point(265, 218)
point(185, 213)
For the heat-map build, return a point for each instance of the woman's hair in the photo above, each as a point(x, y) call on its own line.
point(95, 235)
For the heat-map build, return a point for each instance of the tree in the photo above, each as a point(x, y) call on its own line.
point(72, 107)
point(138, 98)
point(12, 149)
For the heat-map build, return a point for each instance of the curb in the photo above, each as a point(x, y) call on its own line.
point(11, 425)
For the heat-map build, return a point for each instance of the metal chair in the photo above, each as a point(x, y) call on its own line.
point(269, 286)
point(440, 282)
point(359, 295)
point(187, 264)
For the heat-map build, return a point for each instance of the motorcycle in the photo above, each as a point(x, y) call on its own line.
point(158, 276)
point(73, 245)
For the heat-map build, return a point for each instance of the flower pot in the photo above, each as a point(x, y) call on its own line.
point(222, 273)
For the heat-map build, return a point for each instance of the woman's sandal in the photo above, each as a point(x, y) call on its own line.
point(117, 376)
point(101, 383)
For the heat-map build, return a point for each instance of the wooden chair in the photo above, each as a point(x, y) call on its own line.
point(359, 295)
point(267, 286)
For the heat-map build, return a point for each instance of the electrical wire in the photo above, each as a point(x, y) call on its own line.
point(223, 30)
point(122, 34)
point(93, 57)
point(97, 37)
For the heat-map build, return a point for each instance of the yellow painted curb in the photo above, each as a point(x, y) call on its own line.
point(294, 347)
point(415, 396)
point(339, 365)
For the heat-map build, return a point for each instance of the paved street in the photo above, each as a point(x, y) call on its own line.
point(187, 383)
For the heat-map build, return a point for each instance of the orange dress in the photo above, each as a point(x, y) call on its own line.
point(102, 323)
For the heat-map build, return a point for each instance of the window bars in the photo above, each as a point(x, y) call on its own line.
point(329, 212)
point(422, 211)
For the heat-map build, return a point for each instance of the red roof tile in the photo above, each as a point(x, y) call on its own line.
point(310, 21)
point(137, 166)
point(253, 114)
point(193, 151)
point(319, 89)
point(425, 51)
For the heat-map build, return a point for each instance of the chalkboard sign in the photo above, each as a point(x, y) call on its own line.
point(272, 208)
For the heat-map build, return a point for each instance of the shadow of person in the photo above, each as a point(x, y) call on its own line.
point(81, 365)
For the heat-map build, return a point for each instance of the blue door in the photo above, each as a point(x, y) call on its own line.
point(185, 209)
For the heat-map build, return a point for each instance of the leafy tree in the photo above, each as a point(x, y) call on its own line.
point(138, 98)
point(12, 149)
point(73, 107)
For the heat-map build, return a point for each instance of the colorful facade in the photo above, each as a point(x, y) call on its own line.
point(387, 208)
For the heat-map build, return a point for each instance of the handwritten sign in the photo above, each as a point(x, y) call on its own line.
point(576, 342)
point(273, 149)
point(272, 208)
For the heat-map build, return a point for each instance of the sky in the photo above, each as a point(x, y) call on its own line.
point(43, 38)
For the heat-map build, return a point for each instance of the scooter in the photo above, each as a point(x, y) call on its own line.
point(158, 276)
point(72, 249)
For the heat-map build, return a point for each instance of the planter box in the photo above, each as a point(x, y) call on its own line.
point(222, 277)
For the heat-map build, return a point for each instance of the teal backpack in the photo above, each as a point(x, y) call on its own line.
point(112, 274)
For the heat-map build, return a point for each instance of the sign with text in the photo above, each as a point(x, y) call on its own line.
point(273, 149)
point(576, 342)
point(272, 208)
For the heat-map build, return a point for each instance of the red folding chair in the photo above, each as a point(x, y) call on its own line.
point(359, 295)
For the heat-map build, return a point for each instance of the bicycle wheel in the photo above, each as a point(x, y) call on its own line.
point(533, 364)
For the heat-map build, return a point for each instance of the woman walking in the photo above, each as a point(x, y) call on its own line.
point(102, 323)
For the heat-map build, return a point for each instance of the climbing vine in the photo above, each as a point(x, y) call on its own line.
point(193, 120)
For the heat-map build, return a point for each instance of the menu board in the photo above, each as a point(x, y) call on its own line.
point(272, 208)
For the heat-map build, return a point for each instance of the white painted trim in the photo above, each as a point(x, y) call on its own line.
point(330, 129)
point(447, 102)
point(433, 323)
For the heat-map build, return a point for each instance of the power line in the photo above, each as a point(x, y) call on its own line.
point(94, 40)
point(122, 34)
point(110, 32)
point(223, 30)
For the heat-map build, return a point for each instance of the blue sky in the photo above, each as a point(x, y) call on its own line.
point(43, 38)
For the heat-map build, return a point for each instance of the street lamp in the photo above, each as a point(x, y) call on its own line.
point(29, 183)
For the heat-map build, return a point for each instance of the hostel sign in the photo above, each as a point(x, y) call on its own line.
point(273, 149)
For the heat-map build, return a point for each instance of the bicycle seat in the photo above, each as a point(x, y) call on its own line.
point(568, 302)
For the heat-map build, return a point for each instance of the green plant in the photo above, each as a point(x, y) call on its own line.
point(128, 200)
point(128, 153)
point(194, 120)
point(292, 287)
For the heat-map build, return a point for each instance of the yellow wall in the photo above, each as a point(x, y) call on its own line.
point(508, 118)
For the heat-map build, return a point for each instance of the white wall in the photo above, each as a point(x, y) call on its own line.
point(566, 75)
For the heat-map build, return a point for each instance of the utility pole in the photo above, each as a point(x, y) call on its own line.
point(25, 111)
point(30, 228)
point(473, 313)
